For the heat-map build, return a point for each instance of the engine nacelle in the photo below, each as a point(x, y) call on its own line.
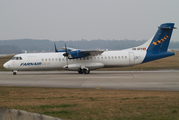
point(76, 54)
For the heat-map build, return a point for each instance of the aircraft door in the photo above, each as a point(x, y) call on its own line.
point(131, 58)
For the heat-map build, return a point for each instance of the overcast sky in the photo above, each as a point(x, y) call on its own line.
point(86, 19)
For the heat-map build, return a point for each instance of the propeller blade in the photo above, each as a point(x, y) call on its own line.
point(67, 61)
point(66, 52)
point(56, 50)
point(66, 55)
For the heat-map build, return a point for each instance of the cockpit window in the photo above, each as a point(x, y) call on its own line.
point(16, 58)
point(13, 58)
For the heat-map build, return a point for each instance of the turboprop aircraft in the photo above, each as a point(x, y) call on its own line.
point(85, 60)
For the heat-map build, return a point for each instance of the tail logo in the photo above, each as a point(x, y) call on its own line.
point(160, 41)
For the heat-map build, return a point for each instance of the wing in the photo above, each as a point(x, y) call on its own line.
point(92, 52)
point(83, 53)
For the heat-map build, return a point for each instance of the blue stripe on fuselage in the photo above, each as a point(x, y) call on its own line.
point(154, 55)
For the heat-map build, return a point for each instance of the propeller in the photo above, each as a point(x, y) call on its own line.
point(66, 52)
point(66, 55)
point(56, 50)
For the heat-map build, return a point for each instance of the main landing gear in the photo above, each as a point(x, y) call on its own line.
point(85, 71)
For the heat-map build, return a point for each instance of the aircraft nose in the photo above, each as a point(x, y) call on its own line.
point(5, 65)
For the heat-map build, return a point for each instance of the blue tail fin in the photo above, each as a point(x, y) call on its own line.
point(158, 45)
point(162, 37)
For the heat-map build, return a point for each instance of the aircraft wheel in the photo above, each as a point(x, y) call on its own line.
point(14, 73)
point(86, 71)
point(80, 71)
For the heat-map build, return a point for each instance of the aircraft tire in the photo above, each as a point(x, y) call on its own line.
point(80, 71)
point(14, 73)
point(86, 71)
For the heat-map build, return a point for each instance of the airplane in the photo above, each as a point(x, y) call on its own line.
point(85, 60)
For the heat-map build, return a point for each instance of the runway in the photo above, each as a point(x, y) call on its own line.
point(164, 80)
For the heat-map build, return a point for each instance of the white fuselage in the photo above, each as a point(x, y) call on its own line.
point(47, 61)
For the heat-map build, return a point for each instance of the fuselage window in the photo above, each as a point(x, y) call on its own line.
point(118, 57)
point(125, 57)
point(83, 58)
point(80, 58)
point(63, 59)
point(98, 58)
point(42, 59)
point(45, 59)
point(108, 57)
point(56, 59)
point(115, 57)
point(49, 59)
point(87, 58)
point(91, 58)
point(122, 57)
point(101, 58)
point(59, 59)
point(52, 59)
point(105, 57)
point(112, 57)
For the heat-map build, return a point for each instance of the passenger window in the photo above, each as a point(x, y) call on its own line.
point(112, 57)
point(42, 59)
point(101, 58)
point(56, 59)
point(45, 59)
point(125, 57)
point(105, 57)
point(108, 57)
point(83, 58)
point(122, 57)
point(52, 59)
point(63, 59)
point(59, 59)
point(118, 57)
point(49, 59)
point(115, 57)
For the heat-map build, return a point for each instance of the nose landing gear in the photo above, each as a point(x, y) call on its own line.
point(14, 72)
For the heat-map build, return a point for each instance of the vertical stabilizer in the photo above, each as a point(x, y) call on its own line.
point(158, 45)
point(162, 37)
point(160, 41)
